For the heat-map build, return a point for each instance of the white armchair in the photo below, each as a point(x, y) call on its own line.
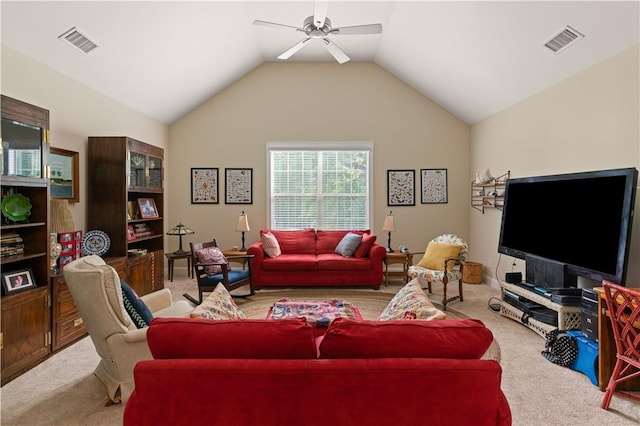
point(95, 287)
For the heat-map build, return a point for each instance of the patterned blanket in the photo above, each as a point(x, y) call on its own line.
point(318, 313)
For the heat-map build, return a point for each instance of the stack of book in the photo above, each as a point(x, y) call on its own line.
point(142, 230)
point(11, 243)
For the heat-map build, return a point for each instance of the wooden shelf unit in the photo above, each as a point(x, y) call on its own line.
point(489, 194)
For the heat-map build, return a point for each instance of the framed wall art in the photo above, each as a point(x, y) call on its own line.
point(401, 186)
point(64, 174)
point(204, 186)
point(433, 184)
point(15, 281)
point(238, 186)
point(148, 209)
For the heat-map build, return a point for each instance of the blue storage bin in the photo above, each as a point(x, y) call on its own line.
point(587, 360)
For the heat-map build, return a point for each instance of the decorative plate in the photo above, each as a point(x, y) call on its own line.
point(95, 242)
point(16, 207)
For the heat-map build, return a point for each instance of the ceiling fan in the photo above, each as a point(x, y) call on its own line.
point(318, 27)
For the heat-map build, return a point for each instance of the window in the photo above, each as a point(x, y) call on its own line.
point(324, 187)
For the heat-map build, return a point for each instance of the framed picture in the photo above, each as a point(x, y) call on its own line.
point(64, 174)
point(204, 186)
point(239, 186)
point(131, 234)
point(433, 186)
point(148, 208)
point(401, 186)
point(15, 281)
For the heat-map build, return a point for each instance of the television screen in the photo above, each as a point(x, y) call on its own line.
point(580, 220)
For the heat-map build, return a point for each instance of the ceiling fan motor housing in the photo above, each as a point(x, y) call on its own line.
point(312, 31)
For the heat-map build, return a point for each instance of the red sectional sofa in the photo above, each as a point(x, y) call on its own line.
point(308, 259)
point(262, 372)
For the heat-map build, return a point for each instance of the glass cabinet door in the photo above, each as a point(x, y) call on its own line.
point(137, 169)
point(22, 148)
point(155, 172)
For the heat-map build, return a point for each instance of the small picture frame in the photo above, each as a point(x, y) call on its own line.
point(204, 185)
point(64, 171)
point(131, 234)
point(148, 209)
point(433, 186)
point(401, 187)
point(239, 186)
point(15, 281)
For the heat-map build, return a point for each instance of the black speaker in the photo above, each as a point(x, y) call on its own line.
point(513, 277)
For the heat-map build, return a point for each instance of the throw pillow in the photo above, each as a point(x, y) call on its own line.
point(436, 253)
point(411, 302)
point(135, 307)
point(365, 245)
point(270, 244)
point(348, 245)
point(214, 257)
point(219, 305)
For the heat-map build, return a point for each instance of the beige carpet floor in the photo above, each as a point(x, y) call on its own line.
point(63, 391)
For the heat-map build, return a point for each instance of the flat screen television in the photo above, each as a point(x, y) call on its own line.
point(570, 225)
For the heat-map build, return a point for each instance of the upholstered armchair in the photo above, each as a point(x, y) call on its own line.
point(96, 291)
point(442, 262)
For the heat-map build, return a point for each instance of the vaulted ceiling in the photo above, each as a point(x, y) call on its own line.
point(164, 58)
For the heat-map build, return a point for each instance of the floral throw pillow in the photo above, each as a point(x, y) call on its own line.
point(270, 244)
point(219, 305)
point(212, 255)
point(410, 303)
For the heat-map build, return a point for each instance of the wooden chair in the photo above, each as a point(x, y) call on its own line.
point(231, 278)
point(623, 305)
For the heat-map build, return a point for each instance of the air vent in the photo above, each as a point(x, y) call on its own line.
point(78, 40)
point(563, 39)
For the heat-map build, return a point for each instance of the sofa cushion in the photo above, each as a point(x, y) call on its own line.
point(301, 241)
point(457, 339)
point(138, 311)
point(436, 253)
point(348, 245)
point(270, 244)
point(291, 263)
point(327, 240)
point(411, 302)
point(365, 245)
point(218, 305)
point(211, 255)
point(175, 338)
point(336, 262)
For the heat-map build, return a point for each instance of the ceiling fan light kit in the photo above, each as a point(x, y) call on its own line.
point(318, 27)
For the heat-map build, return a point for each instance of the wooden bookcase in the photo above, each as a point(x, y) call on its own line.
point(122, 171)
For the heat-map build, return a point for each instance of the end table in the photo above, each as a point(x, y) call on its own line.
point(171, 257)
point(235, 252)
point(396, 257)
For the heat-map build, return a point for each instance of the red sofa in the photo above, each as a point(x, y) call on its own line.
point(308, 259)
point(261, 372)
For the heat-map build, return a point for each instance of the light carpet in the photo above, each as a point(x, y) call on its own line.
point(63, 390)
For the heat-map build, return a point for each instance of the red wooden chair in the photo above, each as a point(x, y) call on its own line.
point(623, 305)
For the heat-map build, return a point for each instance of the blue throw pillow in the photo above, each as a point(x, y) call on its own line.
point(135, 307)
point(348, 245)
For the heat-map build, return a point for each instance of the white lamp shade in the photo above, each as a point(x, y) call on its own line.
point(243, 223)
point(389, 224)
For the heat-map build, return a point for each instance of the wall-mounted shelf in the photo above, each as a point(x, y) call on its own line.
point(489, 194)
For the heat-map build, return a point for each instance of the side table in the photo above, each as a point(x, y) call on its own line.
point(235, 252)
point(171, 257)
point(396, 257)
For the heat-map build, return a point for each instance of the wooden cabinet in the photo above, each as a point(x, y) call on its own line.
point(489, 194)
point(67, 325)
point(123, 171)
point(25, 335)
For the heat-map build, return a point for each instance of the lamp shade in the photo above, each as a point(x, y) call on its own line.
point(243, 223)
point(180, 229)
point(61, 219)
point(389, 224)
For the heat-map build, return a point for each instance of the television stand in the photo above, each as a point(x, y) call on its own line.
point(569, 317)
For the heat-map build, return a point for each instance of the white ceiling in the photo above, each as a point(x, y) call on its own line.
point(165, 58)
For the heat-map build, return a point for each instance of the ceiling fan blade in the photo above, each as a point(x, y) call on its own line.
point(320, 13)
point(358, 29)
point(294, 49)
point(337, 53)
point(274, 25)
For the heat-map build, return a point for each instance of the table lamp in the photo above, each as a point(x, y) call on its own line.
point(180, 230)
point(242, 226)
point(389, 226)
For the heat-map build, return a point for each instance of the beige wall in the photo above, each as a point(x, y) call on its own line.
point(75, 112)
point(588, 122)
point(320, 102)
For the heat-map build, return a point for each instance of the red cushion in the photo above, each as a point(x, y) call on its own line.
point(458, 339)
point(301, 241)
point(365, 245)
point(175, 338)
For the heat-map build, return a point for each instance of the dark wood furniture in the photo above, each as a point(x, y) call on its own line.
point(124, 170)
point(396, 257)
point(172, 257)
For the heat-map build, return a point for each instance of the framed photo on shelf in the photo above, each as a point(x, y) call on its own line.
point(148, 209)
point(64, 174)
point(433, 184)
point(238, 186)
point(401, 187)
point(15, 281)
point(204, 186)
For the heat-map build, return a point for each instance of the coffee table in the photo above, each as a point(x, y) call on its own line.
point(318, 313)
